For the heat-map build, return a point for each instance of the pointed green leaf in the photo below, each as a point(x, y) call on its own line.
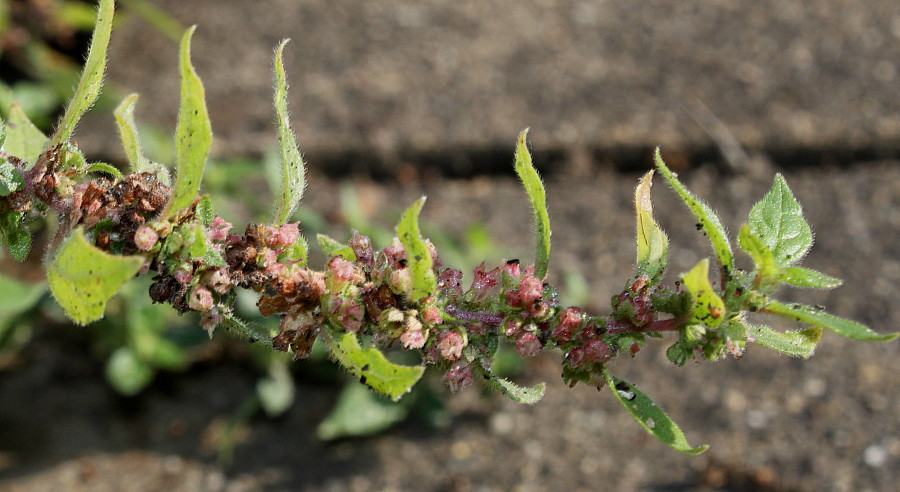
point(708, 307)
point(23, 139)
point(15, 234)
point(102, 167)
point(817, 317)
point(193, 134)
point(806, 277)
point(514, 392)
point(2, 123)
point(706, 218)
point(251, 331)
point(761, 254)
point(10, 178)
point(331, 247)
point(91, 76)
point(372, 368)
point(778, 221)
point(293, 169)
point(795, 343)
point(652, 243)
point(649, 415)
point(534, 188)
point(83, 278)
point(418, 255)
point(360, 412)
point(204, 210)
point(128, 133)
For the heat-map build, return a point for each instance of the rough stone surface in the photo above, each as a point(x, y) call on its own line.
point(388, 79)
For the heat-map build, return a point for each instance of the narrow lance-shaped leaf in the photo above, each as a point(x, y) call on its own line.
point(762, 256)
point(795, 343)
point(193, 134)
point(806, 277)
point(418, 254)
point(778, 221)
point(706, 218)
point(372, 368)
point(83, 278)
point(817, 317)
point(708, 307)
point(23, 139)
point(652, 243)
point(293, 169)
point(91, 77)
point(124, 115)
point(102, 167)
point(516, 393)
point(649, 415)
point(534, 188)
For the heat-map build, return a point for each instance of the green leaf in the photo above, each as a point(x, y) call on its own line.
point(10, 179)
point(83, 278)
point(103, 167)
point(372, 368)
point(706, 218)
point(795, 343)
point(778, 221)
point(193, 134)
point(514, 392)
point(204, 211)
point(197, 247)
point(418, 255)
point(331, 247)
point(23, 139)
point(276, 391)
point(534, 188)
point(128, 133)
point(761, 254)
point(652, 243)
point(15, 234)
point(817, 317)
point(360, 412)
point(649, 415)
point(2, 124)
point(127, 373)
point(293, 169)
point(18, 297)
point(805, 277)
point(708, 307)
point(91, 76)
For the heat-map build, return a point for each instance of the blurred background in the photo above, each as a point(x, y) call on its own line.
point(396, 99)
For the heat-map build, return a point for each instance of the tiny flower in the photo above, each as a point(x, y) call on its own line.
point(432, 315)
point(219, 280)
point(183, 276)
point(401, 281)
point(209, 321)
point(145, 238)
point(412, 339)
point(346, 271)
point(451, 345)
point(569, 323)
point(528, 345)
point(512, 268)
point(395, 253)
point(597, 351)
point(200, 299)
point(512, 327)
point(575, 357)
point(289, 234)
point(484, 281)
point(458, 377)
point(218, 230)
point(531, 289)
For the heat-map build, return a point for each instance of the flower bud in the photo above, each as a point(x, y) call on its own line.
point(200, 299)
point(145, 238)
